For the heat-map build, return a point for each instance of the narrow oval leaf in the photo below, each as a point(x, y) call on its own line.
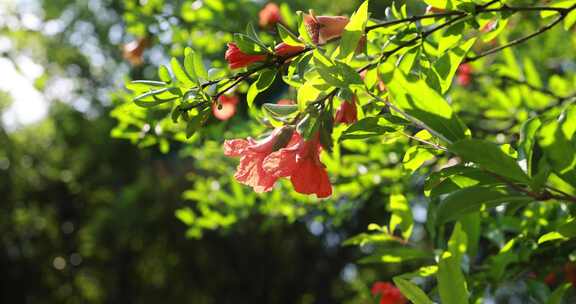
point(490, 157)
point(411, 291)
point(421, 103)
point(264, 81)
point(464, 201)
point(353, 32)
point(180, 74)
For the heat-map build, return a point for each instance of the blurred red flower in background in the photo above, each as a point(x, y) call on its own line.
point(388, 293)
point(464, 74)
point(227, 107)
point(133, 50)
point(270, 15)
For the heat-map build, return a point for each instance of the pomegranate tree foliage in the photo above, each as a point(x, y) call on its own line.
point(464, 131)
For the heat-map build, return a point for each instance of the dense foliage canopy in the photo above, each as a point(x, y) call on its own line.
point(217, 151)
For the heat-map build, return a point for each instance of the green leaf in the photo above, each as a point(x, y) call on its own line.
point(558, 141)
point(180, 74)
point(450, 37)
point(471, 225)
point(551, 236)
point(558, 294)
point(526, 143)
point(423, 272)
point(189, 63)
point(336, 73)
point(199, 67)
point(154, 98)
point(197, 121)
point(353, 32)
point(411, 291)
point(395, 255)
point(489, 157)
point(263, 82)
point(280, 110)
point(444, 4)
point(565, 231)
point(568, 229)
point(415, 157)
point(446, 66)
point(287, 36)
point(471, 199)
point(367, 238)
point(365, 128)
point(185, 215)
point(570, 20)
point(451, 282)
point(401, 215)
point(421, 103)
point(139, 86)
point(248, 45)
point(302, 30)
point(164, 74)
point(457, 177)
point(458, 243)
point(310, 91)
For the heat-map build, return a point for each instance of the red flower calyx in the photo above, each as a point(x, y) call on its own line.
point(324, 28)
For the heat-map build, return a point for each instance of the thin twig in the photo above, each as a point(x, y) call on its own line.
point(435, 146)
point(563, 194)
point(560, 99)
point(413, 19)
point(563, 14)
point(414, 120)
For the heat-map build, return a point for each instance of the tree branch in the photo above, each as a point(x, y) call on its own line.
point(563, 14)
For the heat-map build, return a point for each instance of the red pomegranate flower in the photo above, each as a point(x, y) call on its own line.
point(134, 50)
point(270, 15)
point(252, 153)
point(237, 59)
point(464, 77)
point(347, 113)
point(227, 107)
point(286, 50)
point(301, 162)
point(324, 28)
point(388, 293)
